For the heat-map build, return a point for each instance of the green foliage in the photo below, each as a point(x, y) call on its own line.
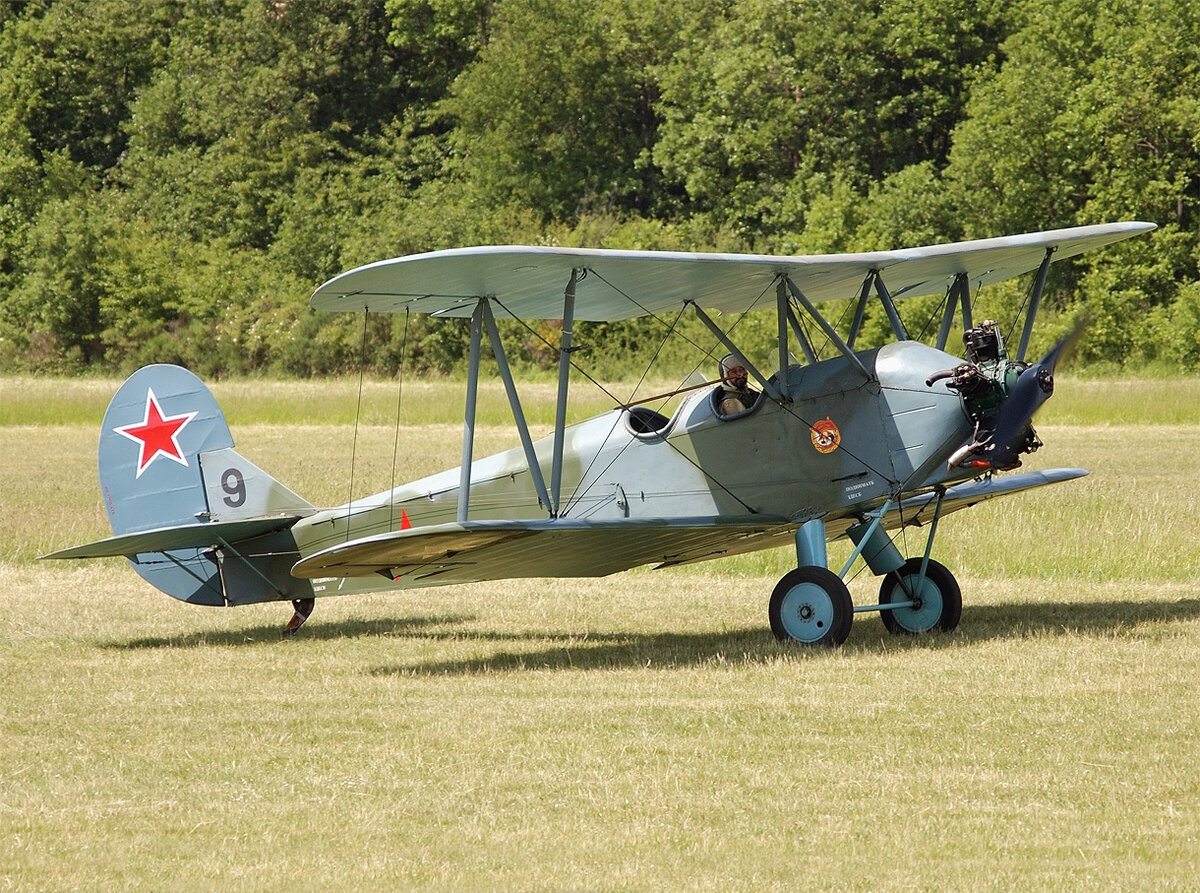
point(764, 93)
point(1179, 331)
point(557, 113)
point(73, 68)
point(175, 178)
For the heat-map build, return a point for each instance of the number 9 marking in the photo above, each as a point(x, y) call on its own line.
point(233, 483)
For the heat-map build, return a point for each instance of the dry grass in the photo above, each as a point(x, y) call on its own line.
point(632, 733)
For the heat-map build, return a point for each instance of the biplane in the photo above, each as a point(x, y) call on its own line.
point(857, 444)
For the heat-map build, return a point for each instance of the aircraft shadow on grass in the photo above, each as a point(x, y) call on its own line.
point(403, 627)
point(617, 650)
point(750, 645)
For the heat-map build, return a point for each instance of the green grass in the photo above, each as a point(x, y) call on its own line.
point(640, 732)
point(58, 401)
point(70, 401)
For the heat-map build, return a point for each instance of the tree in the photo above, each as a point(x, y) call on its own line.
point(1093, 118)
point(557, 114)
point(766, 99)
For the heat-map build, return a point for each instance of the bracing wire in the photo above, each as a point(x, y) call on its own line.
point(937, 312)
point(399, 396)
point(1020, 310)
point(555, 347)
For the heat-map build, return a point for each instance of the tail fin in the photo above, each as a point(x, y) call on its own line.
point(197, 520)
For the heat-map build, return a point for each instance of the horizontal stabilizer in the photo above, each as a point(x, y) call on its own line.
point(501, 550)
point(185, 536)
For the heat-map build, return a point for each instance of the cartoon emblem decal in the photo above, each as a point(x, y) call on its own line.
point(156, 434)
point(825, 436)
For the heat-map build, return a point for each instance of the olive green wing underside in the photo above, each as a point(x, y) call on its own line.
point(499, 550)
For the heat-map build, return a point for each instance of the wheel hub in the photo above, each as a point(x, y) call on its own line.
point(811, 606)
point(810, 610)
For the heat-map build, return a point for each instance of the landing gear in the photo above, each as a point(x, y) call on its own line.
point(303, 608)
point(811, 605)
point(935, 601)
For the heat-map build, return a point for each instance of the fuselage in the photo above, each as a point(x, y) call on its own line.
point(841, 446)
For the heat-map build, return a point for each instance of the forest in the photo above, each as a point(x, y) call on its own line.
point(177, 176)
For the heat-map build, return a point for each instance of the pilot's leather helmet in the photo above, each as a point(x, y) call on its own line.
point(729, 361)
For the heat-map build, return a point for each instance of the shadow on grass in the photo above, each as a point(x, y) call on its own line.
point(607, 651)
point(1006, 621)
point(751, 645)
point(755, 645)
point(405, 627)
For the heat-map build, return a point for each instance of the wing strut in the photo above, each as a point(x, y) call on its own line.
point(964, 295)
point(535, 469)
point(464, 474)
point(782, 308)
point(481, 318)
point(1039, 286)
point(829, 330)
point(959, 293)
point(860, 311)
point(564, 379)
point(810, 355)
point(889, 307)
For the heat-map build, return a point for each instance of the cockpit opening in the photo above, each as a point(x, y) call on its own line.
point(642, 421)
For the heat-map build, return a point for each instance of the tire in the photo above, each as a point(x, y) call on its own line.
point(938, 596)
point(811, 606)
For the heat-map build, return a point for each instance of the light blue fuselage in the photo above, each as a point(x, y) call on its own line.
point(638, 464)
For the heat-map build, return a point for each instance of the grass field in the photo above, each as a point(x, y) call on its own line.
point(640, 732)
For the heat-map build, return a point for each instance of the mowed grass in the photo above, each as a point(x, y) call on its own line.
point(639, 732)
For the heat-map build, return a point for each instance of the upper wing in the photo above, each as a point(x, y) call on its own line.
point(529, 281)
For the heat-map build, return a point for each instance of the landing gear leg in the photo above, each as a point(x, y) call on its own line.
point(921, 595)
point(303, 608)
point(812, 606)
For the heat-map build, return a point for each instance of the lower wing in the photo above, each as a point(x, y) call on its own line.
point(498, 550)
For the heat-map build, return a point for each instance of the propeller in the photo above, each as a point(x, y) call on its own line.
point(1032, 389)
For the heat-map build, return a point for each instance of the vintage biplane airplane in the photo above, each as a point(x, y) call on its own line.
point(855, 445)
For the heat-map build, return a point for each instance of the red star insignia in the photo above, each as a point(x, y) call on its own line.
point(156, 434)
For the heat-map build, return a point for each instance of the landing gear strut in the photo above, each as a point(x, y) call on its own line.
point(303, 608)
point(812, 606)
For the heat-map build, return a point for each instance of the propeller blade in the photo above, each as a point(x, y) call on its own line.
point(1032, 389)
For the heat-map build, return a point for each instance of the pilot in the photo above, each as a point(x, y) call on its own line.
point(734, 396)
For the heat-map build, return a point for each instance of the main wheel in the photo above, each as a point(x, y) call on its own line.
point(938, 600)
point(811, 605)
